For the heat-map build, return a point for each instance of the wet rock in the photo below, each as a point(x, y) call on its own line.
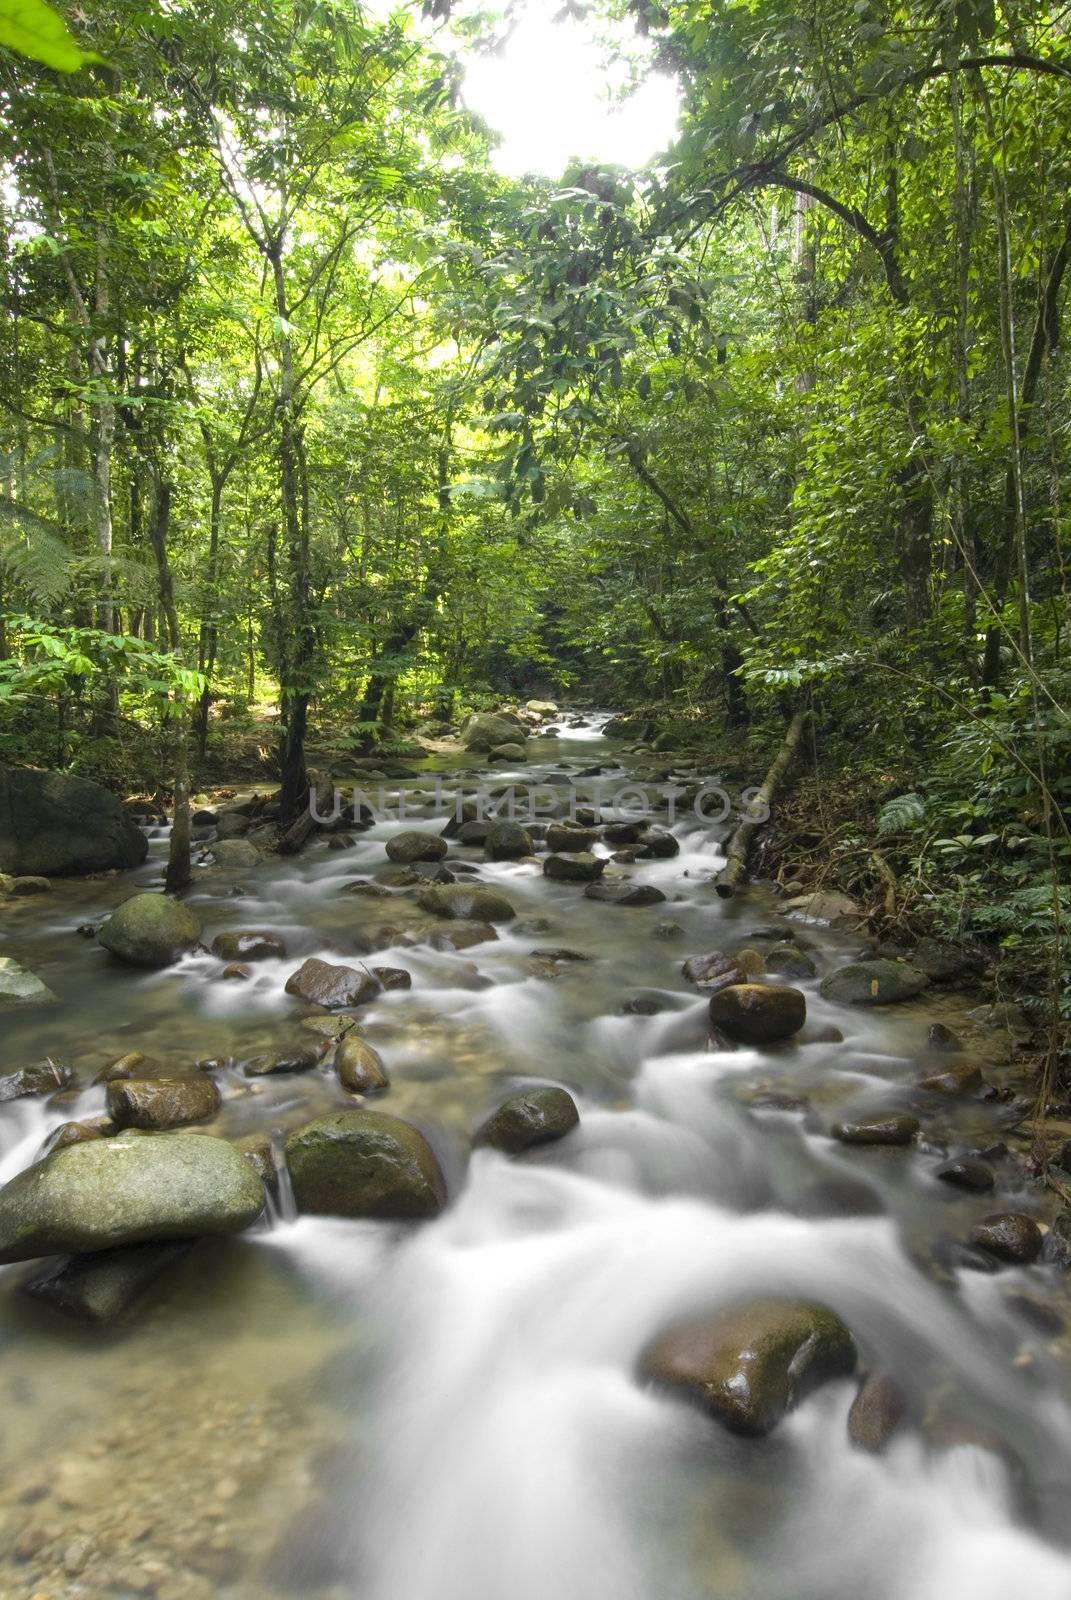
point(643, 1006)
point(43, 1077)
point(151, 930)
point(364, 1164)
point(758, 1013)
point(484, 731)
point(126, 1190)
point(359, 1068)
point(882, 1127)
point(1009, 1236)
point(249, 944)
point(655, 845)
point(341, 841)
point(580, 868)
point(1057, 1246)
point(454, 936)
point(624, 894)
point(73, 1133)
point(20, 888)
point(20, 987)
point(1003, 1015)
point(52, 824)
point(820, 1033)
point(322, 983)
point(234, 854)
point(299, 1058)
point(413, 845)
point(749, 1365)
point(961, 1078)
point(563, 838)
point(237, 972)
point(466, 902)
point(873, 983)
point(790, 961)
point(538, 1116)
point(941, 1038)
point(558, 953)
point(156, 1103)
point(257, 1150)
point(824, 905)
point(507, 841)
point(876, 1413)
point(420, 873)
point(104, 1286)
point(965, 1174)
point(943, 962)
point(473, 833)
point(507, 754)
point(667, 930)
point(715, 970)
point(393, 978)
point(622, 832)
point(130, 1065)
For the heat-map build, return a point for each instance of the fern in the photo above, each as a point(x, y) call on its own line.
point(903, 811)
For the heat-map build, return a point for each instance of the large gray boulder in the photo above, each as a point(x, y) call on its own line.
point(151, 930)
point(54, 824)
point(107, 1192)
point(873, 983)
point(485, 731)
point(364, 1164)
point(19, 987)
point(469, 904)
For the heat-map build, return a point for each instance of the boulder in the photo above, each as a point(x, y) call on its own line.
point(749, 1365)
point(19, 987)
point(151, 930)
point(157, 1103)
point(565, 837)
point(542, 708)
point(655, 844)
point(21, 888)
point(301, 1058)
point(1008, 1235)
point(125, 1190)
point(758, 1013)
point(790, 961)
point(468, 903)
point(105, 1286)
point(234, 854)
point(580, 868)
point(880, 1127)
point(364, 1164)
point(54, 824)
point(507, 841)
point(714, 970)
point(43, 1077)
point(485, 731)
point(394, 978)
point(962, 1077)
point(824, 905)
point(624, 894)
point(1057, 1249)
point(506, 754)
point(248, 944)
point(873, 983)
point(970, 1175)
point(414, 845)
point(359, 1068)
point(322, 983)
point(538, 1116)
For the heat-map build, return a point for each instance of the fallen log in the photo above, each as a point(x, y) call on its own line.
point(758, 810)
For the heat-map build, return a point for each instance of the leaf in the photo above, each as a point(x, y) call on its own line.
point(901, 812)
point(35, 30)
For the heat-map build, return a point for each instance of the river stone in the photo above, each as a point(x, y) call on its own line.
point(876, 1413)
point(1008, 1235)
point(73, 1133)
point(324, 984)
point(507, 841)
point(18, 987)
point(941, 1038)
point(461, 935)
point(508, 753)
point(485, 731)
point(364, 1164)
point(125, 1190)
point(235, 854)
point(656, 844)
point(129, 1065)
point(248, 944)
point(413, 845)
point(751, 1364)
point(943, 962)
point(790, 961)
point(563, 838)
point(301, 1058)
point(359, 1068)
point(961, 1078)
point(22, 888)
point(882, 1127)
point(52, 824)
point(1057, 1247)
point(624, 894)
point(43, 1077)
point(157, 1103)
point(466, 902)
point(473, 833)
point(256, 1148)
point(580, 868)
point(151, 930)
point(535, 1117)
point(966, 1174)
point(758, 1013)
point(824, 905)
point(103, 1287)
point(715, 970)
point(393, 978)
point(873, 983)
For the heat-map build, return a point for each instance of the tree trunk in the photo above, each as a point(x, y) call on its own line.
point(758, 811)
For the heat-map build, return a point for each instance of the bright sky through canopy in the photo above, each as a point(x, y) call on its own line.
point(547, 95)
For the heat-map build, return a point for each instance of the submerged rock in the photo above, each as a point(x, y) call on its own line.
point(1008, 1235)
point(460, 935)
point(413, 845)
point(790, 961)
point(324, 984)
point(881, 1127)
point(751, 1364)
point(157, 1103)
point(19, 987)
point(249, 944)
point(873, 983)
point(125, 1190)
point(302, 1058)
point(151, 930)
point(624, 894)
point(104, 1286)
point(758, 1013)
point(961, 1078)
point(359, 1068)
point(538, 1116)
point(53, 823)
point(468, 903)
point(876, 1413)
point(364, 1164)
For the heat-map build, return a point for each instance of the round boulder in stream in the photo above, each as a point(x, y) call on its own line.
point(465, 903)
point(151, 930)
point(324, 984)
point(538, 1116)
point(364, 1164)
point(750, 1365)
point(359, 1068)
point(248, 944)
point(873, 983)
point(880, 1127)
point(107, 1192)
point(1008, 1235)
point(582, 867)
point(157, 1103)
point(624, 894)
point(413, 845)
point(507, 841)
point(758, 1013)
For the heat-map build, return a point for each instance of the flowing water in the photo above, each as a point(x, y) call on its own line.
point(452, 1411)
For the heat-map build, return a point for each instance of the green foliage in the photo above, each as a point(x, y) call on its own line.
point(36, 30)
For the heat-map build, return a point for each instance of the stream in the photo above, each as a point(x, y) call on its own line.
point(451, 1410)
